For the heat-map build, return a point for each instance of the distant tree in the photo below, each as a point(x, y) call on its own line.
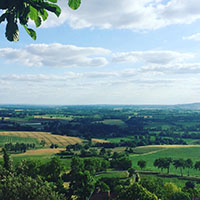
point(166, 163)
point(188, 165)
point(180, 163)
point(158, 163)
point(141, 164)
point(42, 142)
point(197, 165)
point(6, 160)
point(131, 171)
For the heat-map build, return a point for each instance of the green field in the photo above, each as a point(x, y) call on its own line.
point(175, 153)
point(15, 139)
point(117, 122)
point(118, 139)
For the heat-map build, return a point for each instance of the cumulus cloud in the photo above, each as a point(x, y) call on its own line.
point(195, 37)
point(56, 55)
point(155, 57)
point(133, 15)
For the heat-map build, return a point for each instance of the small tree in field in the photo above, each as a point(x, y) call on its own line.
point(141, 164)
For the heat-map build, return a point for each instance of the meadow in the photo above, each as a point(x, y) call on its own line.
point(150, 153)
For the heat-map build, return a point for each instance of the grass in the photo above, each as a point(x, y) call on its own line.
point(175, 152)
point(49, 138)
point(15, 139)
point(117, 122)
point(118, 139)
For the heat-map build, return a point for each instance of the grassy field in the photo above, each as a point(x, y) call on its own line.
point(42, 155)
point(117, 122)
point(118, 139)
point(150, 153)
point(38, 136)
point(14, 139)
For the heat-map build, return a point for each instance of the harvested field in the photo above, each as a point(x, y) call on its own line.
point(47, 137)
point(40, 152)
point(99, 141)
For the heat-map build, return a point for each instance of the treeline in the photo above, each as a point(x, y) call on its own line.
point(19, 147)
point(165, 163)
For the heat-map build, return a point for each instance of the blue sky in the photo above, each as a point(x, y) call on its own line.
point(107, 52)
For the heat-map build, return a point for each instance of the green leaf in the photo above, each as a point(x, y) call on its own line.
point(31, 32)
point(53, 1)
point(12, 31)
point(74, 4)
point(44, 14)
point(34, 15)
point(53, 8)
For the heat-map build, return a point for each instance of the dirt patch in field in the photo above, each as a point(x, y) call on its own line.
point(99, 141)
point(40, 152)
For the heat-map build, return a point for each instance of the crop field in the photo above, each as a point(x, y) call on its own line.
point(39, 136)
point(42, 155)
point(53, 117)
point(150, 153)
point(15, 139)
point(94, 140)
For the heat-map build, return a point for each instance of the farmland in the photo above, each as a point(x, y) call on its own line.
point(108, 140)
point(37, 137)
point(149, 154)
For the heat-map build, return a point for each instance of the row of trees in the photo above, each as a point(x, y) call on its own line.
point(165, 163)
point(22, 147)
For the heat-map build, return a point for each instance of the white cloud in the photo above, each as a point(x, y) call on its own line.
point(129, 14)
point(155, 57)
point(179, 68)
point(56, 55)
point(195, 37)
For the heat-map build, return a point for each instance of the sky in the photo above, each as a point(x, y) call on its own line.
point(106, 52)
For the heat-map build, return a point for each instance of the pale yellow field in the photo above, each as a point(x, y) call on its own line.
point(40, 152)
point(47, 137)
point(99, 141)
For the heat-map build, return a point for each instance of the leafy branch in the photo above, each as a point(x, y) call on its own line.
point(21, 11)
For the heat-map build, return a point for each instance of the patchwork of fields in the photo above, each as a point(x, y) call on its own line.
point(37, 137)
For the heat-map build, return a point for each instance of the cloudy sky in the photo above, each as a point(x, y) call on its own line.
point(107, 52)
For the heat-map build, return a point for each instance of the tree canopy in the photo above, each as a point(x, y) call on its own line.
point(22, 11)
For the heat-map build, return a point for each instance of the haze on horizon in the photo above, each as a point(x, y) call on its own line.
point(138, 52)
